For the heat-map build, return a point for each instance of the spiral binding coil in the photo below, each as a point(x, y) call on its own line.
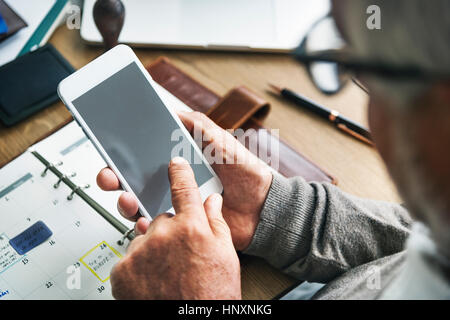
point(51, 165)
point(56, 185)
point(119, 226)
point(70, 196)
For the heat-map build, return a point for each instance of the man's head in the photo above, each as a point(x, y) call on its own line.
point(409, 120)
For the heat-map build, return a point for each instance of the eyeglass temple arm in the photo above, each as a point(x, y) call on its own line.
point(343, 59)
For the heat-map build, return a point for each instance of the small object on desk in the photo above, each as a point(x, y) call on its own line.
point(28, 84)
point(53, 18)
point(42, 17)
point(109, 16)
point(3, 26)
point(11, 20)
point(348, 126)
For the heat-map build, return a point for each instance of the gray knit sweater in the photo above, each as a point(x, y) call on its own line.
point(318, 233)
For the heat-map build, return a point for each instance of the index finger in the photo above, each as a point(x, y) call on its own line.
point(186, 197)
point(199, 121)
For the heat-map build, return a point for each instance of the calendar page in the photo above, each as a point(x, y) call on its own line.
point(75, 261)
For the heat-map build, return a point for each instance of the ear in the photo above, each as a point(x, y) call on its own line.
point(431, 136)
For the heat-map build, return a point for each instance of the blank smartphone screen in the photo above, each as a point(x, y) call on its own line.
point(135, 129)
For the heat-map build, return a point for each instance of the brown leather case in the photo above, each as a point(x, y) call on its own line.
point(12, 20)
point(239, 108)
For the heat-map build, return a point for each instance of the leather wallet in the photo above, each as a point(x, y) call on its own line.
point(13, 21)
point(239, 108)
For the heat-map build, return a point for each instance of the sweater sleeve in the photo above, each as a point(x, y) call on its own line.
point(316, 232)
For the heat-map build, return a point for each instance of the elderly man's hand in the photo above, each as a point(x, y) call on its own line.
point(186, 256)
point(245, 179)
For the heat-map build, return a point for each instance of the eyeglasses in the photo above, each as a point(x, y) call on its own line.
point(330, 64)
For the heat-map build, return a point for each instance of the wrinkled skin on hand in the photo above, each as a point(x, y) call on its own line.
point(192, 255)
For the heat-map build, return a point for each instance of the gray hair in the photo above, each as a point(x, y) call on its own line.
point(413, 32)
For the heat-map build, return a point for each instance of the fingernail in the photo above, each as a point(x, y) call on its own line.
point(122, 212)
point(217, 198)
point(178, 160)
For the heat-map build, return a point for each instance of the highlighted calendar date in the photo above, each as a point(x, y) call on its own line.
point(100, 260)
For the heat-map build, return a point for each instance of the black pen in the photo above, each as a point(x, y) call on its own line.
point(348, 126)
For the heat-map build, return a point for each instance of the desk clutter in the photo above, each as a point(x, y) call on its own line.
point(29, 24)
point(30, 70)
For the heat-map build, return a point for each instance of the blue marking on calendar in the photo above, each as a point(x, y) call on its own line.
point(31, 238)
point(3, 293)
point(73, 146)
point(15, 184)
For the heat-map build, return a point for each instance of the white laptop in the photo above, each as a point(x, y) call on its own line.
point(239, 25)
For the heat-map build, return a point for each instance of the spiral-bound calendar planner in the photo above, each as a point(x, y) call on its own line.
point(53, 244)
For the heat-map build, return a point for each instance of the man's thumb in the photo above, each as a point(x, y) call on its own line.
point(213, 209)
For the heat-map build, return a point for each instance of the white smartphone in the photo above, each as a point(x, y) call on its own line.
point(114, 101)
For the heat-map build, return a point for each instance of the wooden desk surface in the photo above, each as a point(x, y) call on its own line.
point(358, 167)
